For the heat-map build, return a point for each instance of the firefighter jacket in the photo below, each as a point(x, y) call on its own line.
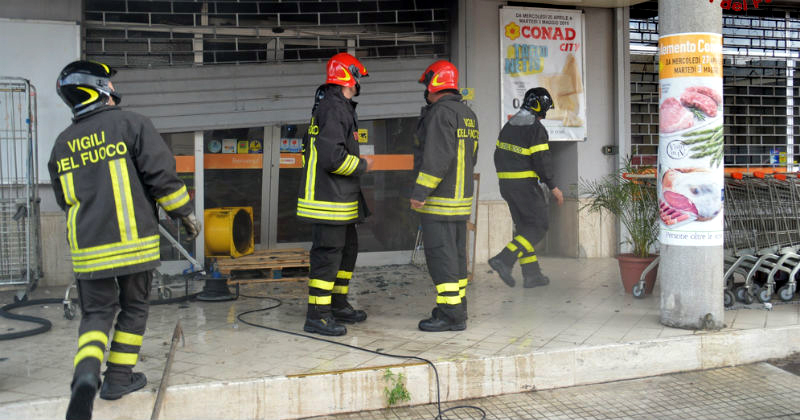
point(330, 191)
point(108, 169)
point(523, 153)
point(444, 159)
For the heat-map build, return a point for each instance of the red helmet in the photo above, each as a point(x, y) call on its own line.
point(440, 75)
point(345, 70)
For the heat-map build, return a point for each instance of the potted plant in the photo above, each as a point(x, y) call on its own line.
point(632, 198)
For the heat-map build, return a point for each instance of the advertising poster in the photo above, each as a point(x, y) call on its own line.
point(691, 141)
point(544, 48)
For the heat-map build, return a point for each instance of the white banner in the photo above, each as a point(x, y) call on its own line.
point(544, 48)
point(691, 141)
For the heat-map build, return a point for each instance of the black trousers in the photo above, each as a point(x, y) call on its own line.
point(100, 300)
point(333, 257)
point(445, 245)
point(529, 212)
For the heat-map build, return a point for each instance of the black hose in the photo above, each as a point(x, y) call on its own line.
point(45, 324)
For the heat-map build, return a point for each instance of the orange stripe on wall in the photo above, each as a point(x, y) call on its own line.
point(185, 164)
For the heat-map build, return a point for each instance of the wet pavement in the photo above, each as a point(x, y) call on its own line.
point(583, 306)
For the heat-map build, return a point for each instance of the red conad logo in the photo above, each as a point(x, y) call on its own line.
point(540, 32)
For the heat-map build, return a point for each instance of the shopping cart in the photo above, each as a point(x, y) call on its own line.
point(762, 235)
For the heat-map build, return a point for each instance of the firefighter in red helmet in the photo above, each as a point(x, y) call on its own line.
point(330, 196)
point(445, 154)
point(109, 169)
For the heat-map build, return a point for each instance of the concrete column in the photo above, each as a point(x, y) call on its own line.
point(691, 276)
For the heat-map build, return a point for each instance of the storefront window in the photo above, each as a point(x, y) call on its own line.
point(233, 167)
point(182, 147)
point(393, 225)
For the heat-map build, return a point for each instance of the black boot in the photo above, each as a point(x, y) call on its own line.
point(115, 389)
point(325, 326)
point(346, 314)
point(535, 280)
point(503, 269)
point(84, 388)
point(441, 322)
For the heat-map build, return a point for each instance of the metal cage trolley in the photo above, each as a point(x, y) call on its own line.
point(20, 246)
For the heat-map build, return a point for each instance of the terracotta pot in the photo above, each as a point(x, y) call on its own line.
point(631, 268)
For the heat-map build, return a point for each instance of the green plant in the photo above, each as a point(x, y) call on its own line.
point(631, 199)
point(396, 391)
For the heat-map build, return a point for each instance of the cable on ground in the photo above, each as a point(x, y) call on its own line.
point(440, 416)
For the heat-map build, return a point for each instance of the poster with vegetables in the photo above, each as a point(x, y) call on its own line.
point(691, 140)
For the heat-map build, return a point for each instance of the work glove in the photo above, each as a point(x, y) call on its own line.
point(191, 225)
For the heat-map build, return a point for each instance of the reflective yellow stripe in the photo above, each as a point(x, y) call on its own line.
point(513, 148)
point(88, 351)
point(517, 175)
point(524, 242)
point(539, 148)
point(123, 201)
point(123, 337)
point(320, 284)
point(528, 260)
point(311, 170)
point(347, 275)
point(116, 261)
point(104, 66)
point(348, 166)
point(326, 215)
point(175, 200)
point(93, 335)
point(449, 300)
point(93, 95)
point(319, 300)
point(429, 181)
point(449, 202)
point(115, 248)
point(462, 293)
point(342, 290)
point(126, 189)
point(511, 247)
point(525, 151)
point(463, 282)
point(121, 358)
point(71, 199)
point(328, 205)
point(446, 287)
point(460, 169)
point(327, 210)
point(445, 211)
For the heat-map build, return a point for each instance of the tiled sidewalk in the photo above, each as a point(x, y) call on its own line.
point(757, 391)
point(584, 305)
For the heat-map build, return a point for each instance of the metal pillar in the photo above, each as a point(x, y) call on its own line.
point(691, 276)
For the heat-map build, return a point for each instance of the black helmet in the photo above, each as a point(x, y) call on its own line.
point(538, 101)
point(84, 86)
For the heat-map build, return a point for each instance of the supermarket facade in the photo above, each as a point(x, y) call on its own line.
point(229, 85)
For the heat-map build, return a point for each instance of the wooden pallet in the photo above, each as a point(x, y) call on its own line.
point(264, 260)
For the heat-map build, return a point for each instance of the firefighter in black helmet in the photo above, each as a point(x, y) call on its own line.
point(523, 163)
point(330, 196)
point(108, 170)
point(444, 159)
